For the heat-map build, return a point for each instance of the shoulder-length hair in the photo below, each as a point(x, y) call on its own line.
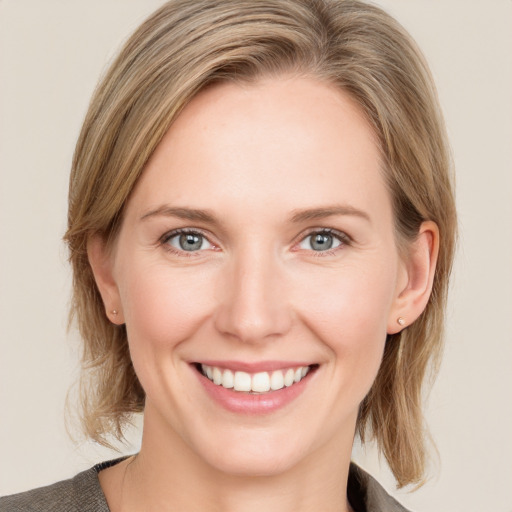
point(189, 44)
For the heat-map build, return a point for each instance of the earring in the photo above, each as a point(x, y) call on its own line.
point(400, 321)
point(114, 312)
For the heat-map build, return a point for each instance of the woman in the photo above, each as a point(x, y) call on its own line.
point(261, 228)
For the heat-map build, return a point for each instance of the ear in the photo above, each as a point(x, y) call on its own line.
point(415, 286)
point(101, 261)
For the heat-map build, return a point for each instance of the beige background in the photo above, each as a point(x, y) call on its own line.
point(51, 54)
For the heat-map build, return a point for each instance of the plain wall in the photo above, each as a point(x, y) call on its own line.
point(51, 55)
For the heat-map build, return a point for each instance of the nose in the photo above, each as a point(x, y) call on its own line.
point(253, 305)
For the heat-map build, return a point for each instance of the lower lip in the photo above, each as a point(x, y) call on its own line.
point(253, 403)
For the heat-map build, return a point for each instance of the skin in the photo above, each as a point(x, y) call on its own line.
point(253, 157)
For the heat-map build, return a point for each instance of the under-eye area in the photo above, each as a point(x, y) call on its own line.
point(259, 382)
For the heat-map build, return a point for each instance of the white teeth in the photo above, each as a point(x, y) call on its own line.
point(261, 382)
point(228, 379)
point(277, 381)
point(288, 378)
point(242, 381)
point(217, 376)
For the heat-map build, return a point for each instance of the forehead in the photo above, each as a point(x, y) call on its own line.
point(288, 141)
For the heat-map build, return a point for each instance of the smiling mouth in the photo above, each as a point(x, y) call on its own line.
point(255, 383)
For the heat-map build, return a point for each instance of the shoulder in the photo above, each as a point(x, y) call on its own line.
point(79, 494)
point(367, 495)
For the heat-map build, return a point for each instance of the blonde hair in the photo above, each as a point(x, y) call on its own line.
point(187, 45)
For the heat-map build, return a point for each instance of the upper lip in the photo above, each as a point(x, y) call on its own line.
point(254, 367)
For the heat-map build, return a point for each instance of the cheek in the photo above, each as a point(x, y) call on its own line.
point(163, 306)
point(350, 301)
point(348, 311)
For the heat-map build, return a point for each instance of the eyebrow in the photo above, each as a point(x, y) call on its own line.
point(182, 213)
point(298, 216)
point(321, 213)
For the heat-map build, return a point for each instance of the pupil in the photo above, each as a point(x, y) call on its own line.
point(322, 242)
point(190, 242)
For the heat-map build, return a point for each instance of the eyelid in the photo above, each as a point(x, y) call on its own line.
point(164, 239)
point(342, 236)
point(179, 231)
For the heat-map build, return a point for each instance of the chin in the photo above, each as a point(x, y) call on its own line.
point(253, 463)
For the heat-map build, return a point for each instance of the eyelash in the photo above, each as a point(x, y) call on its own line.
point(343, 238)
point(183, 231)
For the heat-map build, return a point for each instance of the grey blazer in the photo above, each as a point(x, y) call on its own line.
point(83, 493)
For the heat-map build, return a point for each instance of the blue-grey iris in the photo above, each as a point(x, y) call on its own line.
point(190, 242)
point(321, 242)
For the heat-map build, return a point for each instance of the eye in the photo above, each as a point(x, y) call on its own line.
point(188, 241)
point(324, 240)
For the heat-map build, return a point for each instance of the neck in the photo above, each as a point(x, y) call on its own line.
point(167, 475)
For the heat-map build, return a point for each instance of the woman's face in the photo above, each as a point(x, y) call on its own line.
point(257, 247)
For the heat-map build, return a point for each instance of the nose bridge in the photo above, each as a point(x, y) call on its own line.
point(254, 306)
